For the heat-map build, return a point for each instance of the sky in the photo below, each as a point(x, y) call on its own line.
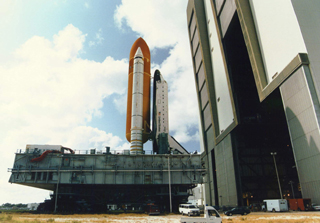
point(64, 73)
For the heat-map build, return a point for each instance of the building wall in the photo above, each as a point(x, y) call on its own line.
point(288, 61)
point(204, 84)
point(300, 100)
point(226, 180)
point(217, 112)
point(274, 16)
point(308, 16)
point(260, 20)
point(225, 107)
point(300, 92)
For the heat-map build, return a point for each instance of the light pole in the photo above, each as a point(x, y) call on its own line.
point(169, 183)
point(275, 165)
point(58, 181)
point(291, 182)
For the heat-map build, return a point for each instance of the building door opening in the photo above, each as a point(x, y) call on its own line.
point(262, 130)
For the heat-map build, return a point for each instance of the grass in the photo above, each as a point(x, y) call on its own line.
point(5, 218)
point(275, 218)
point(292, 217)
point(10, 218)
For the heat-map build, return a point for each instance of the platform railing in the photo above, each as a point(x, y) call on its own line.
point(84, 152)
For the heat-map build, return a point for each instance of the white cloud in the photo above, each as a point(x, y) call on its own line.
point(183, 107)
point(50, 87)
point(159, 22)
point(69, 41)
point(120, 101)
point(99, 36)
point(163, 24)
point(48, 95)
point(97, 39)
point(85, 137)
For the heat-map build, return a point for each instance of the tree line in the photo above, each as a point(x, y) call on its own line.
point(9, 205)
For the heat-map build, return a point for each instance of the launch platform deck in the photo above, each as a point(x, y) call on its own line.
point(116, 177)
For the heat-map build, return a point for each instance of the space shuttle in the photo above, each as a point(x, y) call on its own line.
point(138, 129)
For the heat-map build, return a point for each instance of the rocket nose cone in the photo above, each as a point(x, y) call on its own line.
point(144, 48)
point(138, 53)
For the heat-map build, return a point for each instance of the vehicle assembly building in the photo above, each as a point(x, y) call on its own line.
point(98, 180)
point(256, 69)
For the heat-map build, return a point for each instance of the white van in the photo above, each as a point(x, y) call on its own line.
point(276, 205)
point(189, 209)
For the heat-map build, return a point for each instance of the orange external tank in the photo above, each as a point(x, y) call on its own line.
point(146, 89)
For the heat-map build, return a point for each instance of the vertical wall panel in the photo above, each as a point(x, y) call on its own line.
point(198, 59)
point(195, 42)
point(225, 173)
point(201, 77)
point(207, 117)
point(192, 26)
point(303, 126)
point(204, 96)
point(210, 138)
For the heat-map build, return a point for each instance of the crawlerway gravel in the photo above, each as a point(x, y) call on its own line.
point(259, 217)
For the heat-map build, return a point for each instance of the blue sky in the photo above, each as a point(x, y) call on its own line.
point(63, 70)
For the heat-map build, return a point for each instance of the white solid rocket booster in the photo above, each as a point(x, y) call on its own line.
point(137, 104)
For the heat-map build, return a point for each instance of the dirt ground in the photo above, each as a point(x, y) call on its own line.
point(290, 217)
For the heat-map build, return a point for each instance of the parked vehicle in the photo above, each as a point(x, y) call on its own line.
point(237, 210)
point(255, 207)
point(189, 209)
point(316, 207)
point(300, 204)
point(152, 209)
point(276, 205)
point(210, 215)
